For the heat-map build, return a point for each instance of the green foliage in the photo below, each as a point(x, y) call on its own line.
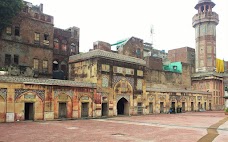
point(226, 88)
point(226, 109)
point(8, 10)
point(3, 69)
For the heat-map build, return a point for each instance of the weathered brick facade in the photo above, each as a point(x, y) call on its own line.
point(102, 45)
point(29, 38)
point(66, 43)
point(133, 47)
point(184, 54)
point(154, 63)
point(32, 47)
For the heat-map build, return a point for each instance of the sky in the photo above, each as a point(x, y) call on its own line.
point(114, 20)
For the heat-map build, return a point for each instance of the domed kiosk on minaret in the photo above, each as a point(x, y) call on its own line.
point(204, 2)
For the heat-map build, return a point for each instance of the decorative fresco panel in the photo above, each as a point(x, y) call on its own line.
point(172, 98)
point(205, 98)
point(105, 67)
point(151, 98)
point(199, 97)
point(3, 92)
point(60, 91)
point(30, 96)
point(129, 71)
point(105, 81)
point(40, 93)
point(162, 97)
point(139, 73)
point(139, 84)
point(118, 78)
point(192, 99)
point(119, 70)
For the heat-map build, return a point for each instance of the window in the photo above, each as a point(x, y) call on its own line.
point(36, 38)
point(36, 15)
point(46, 36)
point(16, 59)
point(64, 46)
point(17, 31)
point(202, 8)
point(138, 52)
point(46, 39)
point(45, 65)
point(72, 49)
point(7, 59)
point(25, 9)
point(9, 30)
point(42, 18)
point(49, 19)
point(56, 44)
point(36, 64)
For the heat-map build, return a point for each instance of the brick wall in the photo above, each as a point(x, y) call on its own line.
point(184, 54)
point(133, 47)
point(154, 63)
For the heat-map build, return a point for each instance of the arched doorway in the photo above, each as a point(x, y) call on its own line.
point(62, 106)
point(29, 106)
point(123, 107)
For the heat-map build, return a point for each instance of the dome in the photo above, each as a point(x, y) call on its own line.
point(200, 2)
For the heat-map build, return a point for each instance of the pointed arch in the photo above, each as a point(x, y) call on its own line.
point(123, 86)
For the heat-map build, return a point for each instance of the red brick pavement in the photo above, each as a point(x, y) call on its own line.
point(185, 127)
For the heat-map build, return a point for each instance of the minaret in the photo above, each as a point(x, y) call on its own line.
point(205, 22)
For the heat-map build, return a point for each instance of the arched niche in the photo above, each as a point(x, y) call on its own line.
point(63, 106)
point(85, 106)
point(29, 106)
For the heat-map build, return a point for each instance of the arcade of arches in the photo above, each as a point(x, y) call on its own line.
point(45, 102)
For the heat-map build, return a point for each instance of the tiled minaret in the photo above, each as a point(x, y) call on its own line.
point(205, 22)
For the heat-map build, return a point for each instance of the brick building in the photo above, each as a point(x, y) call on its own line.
point(184, 54)
point(29, 46)
point(28, 42)
point(66, 43)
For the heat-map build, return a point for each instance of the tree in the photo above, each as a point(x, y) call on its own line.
point(8, 10)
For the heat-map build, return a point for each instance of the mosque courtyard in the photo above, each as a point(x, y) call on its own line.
point(181, 127)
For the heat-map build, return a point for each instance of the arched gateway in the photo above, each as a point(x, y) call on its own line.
point(123, 107)
point(123, 95)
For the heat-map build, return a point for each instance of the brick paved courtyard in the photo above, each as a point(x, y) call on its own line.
point(185, 127)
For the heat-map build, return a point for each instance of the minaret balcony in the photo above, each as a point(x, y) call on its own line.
point(205, 17)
